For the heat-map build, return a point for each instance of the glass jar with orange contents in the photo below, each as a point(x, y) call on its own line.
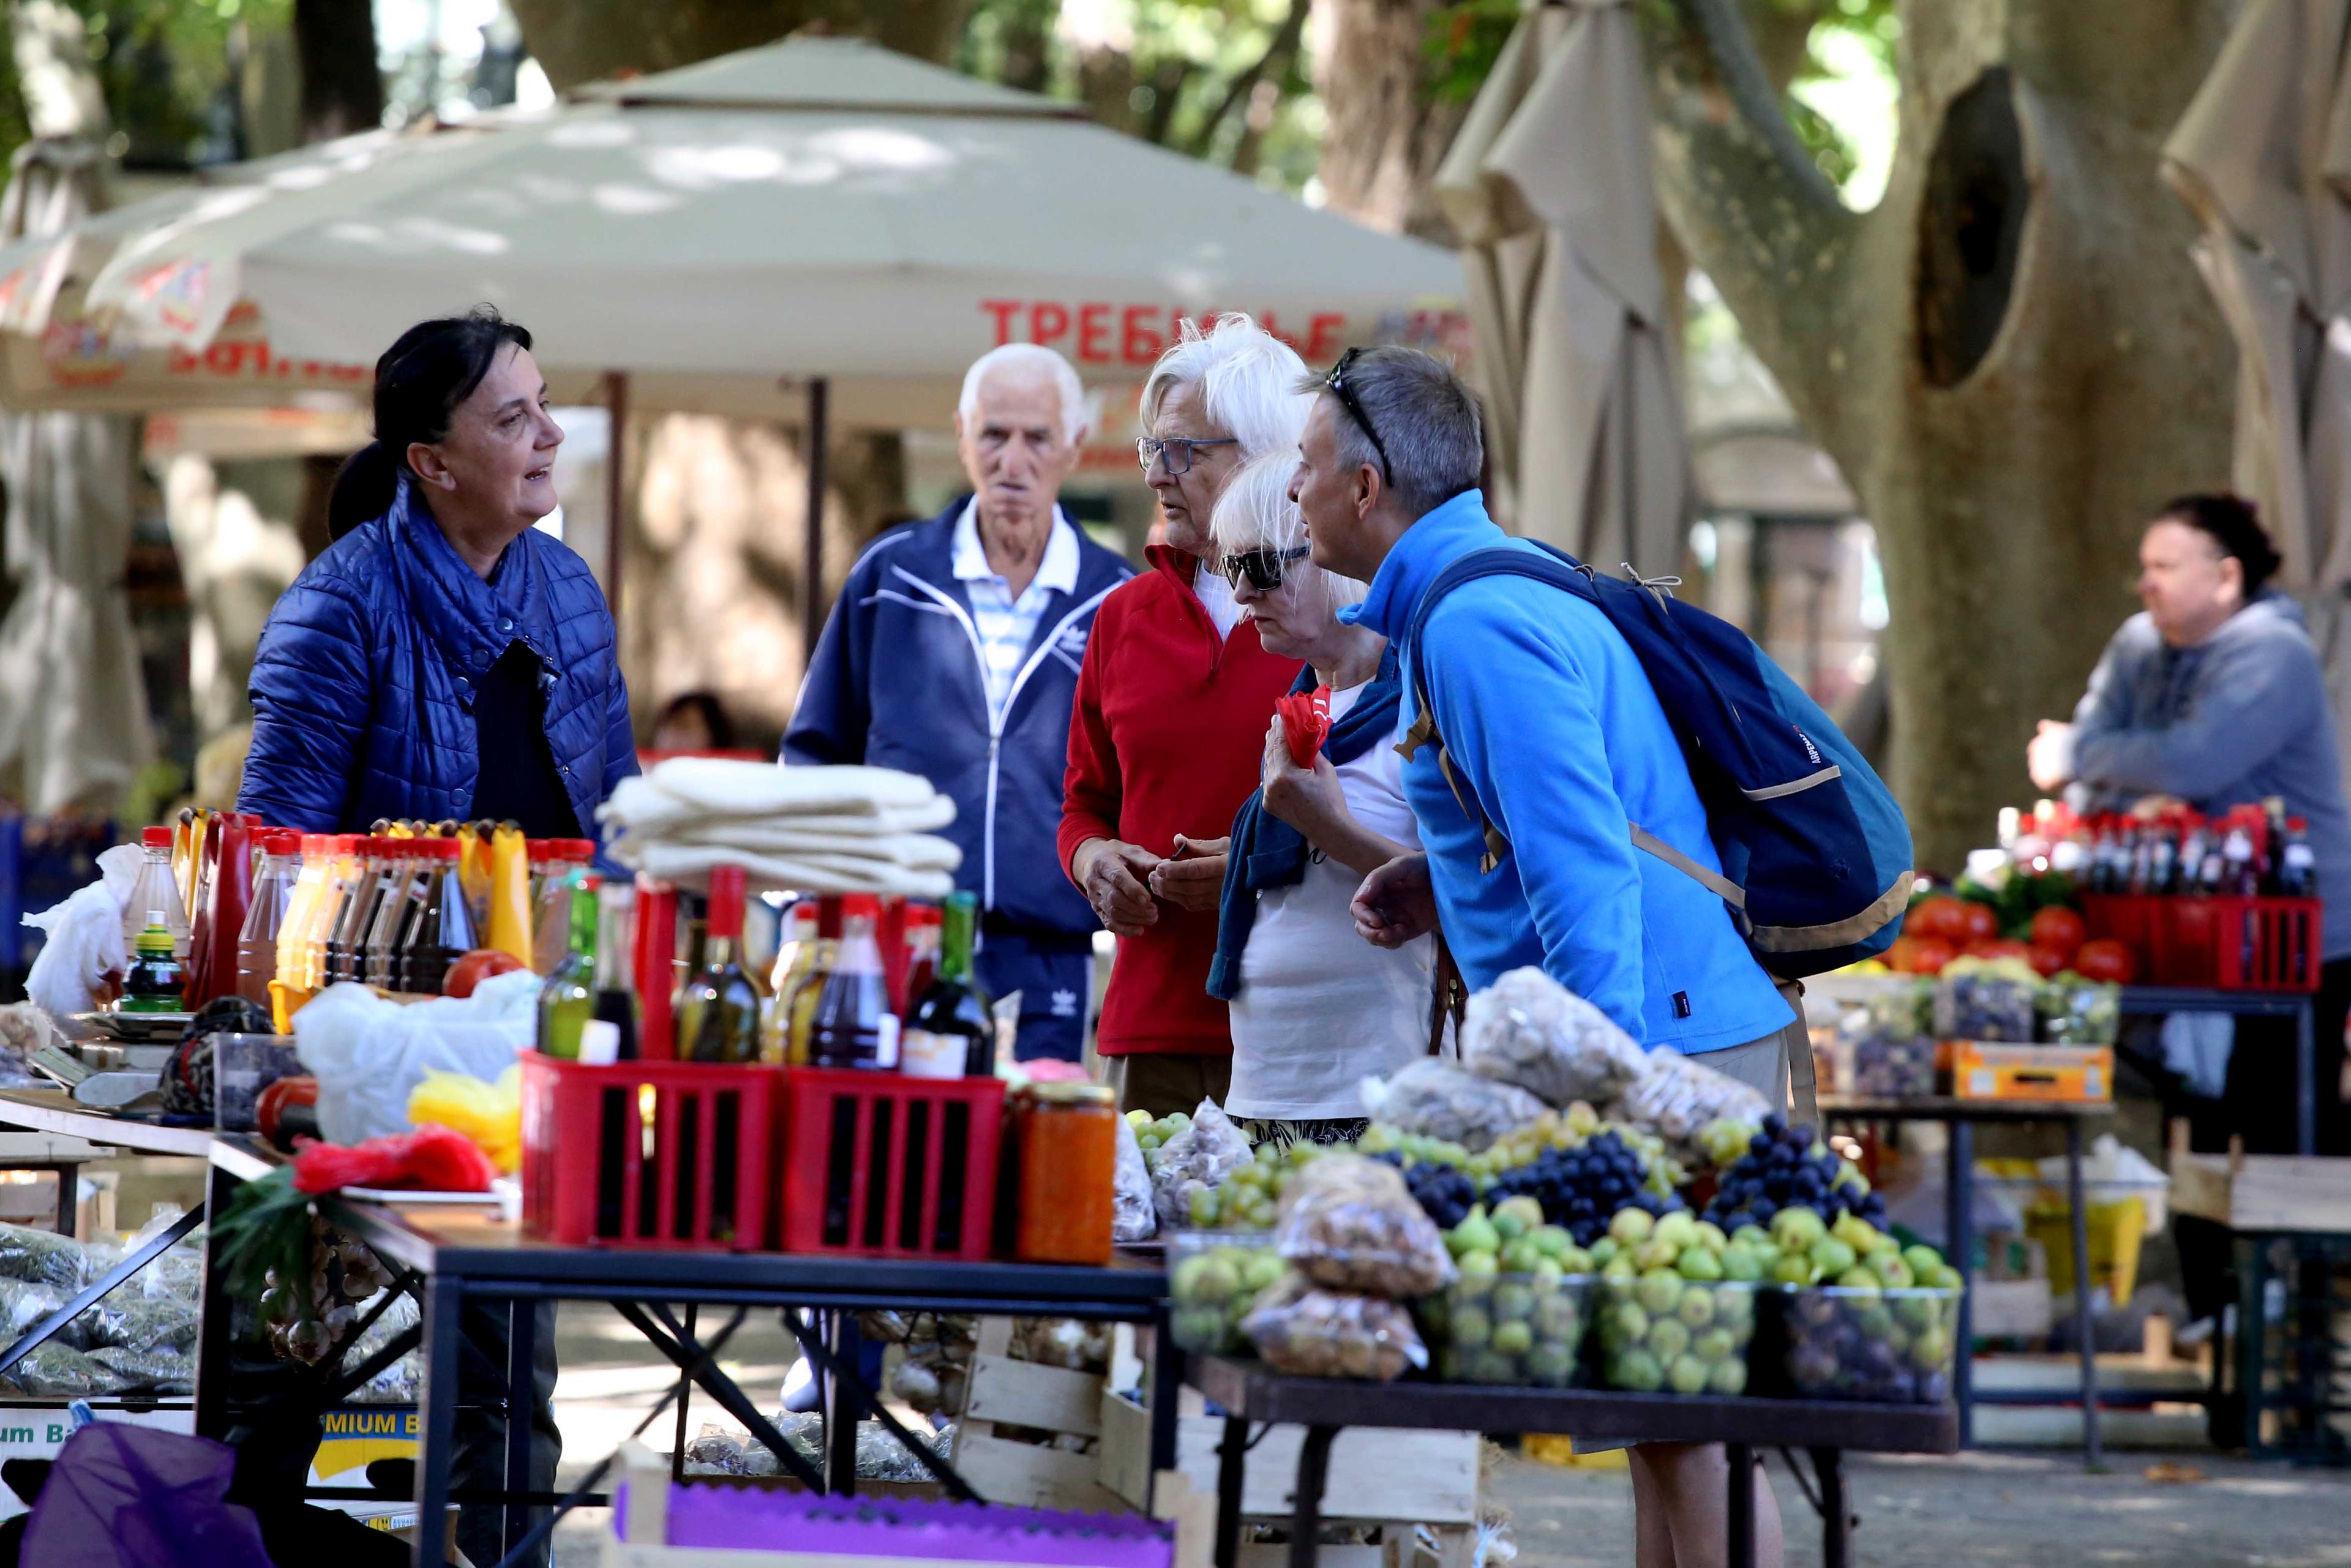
point(1067, 1135)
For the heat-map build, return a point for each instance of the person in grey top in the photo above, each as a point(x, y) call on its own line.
point(2213, 695)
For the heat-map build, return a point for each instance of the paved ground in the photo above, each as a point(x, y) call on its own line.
point(1984, 1510)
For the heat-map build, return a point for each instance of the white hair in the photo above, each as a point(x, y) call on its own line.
point(1246, 376)
point(1256, 513)
point(1035, 358)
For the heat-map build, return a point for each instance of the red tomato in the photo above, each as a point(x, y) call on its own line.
point(2046, 961)
point(1999, 947)
point(1919, 954)
point(1940, 918)
point(2060, 930)
point(1981, 925)
point(474, 967)
point(2107, 960)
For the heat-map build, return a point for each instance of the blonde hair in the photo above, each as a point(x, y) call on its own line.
point(1256, 513)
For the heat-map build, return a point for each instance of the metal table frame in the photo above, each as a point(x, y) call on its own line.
point(643, 1284)
point(1248, 1393)
point(1958, 1218)
point(2156, 1001)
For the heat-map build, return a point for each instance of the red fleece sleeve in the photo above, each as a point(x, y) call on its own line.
point(1091, 789)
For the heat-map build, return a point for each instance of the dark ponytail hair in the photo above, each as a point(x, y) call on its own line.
point(2235, 527)
point(419, 383)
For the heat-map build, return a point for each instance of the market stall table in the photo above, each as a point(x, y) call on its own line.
point(2159, 1001)
point(469, 1255)
point(1958, 1196)
point(1248, 1391)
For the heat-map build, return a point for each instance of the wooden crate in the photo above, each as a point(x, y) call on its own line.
point(2263, 1192)
point(1003, 1392)
point(1376, 1476)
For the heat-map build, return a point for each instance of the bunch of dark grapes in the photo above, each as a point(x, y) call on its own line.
point(1444, 1193)
point(1581, 1189)
point(1780, 1171)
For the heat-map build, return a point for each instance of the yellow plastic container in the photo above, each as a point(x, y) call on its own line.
point(2115, 1230)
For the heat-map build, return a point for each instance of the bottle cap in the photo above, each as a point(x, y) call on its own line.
point(155, 838)
point(280, 841)
point(539, 852)
point(577, 849)
point(347, 843)
point(725, 901)
point(860, 906)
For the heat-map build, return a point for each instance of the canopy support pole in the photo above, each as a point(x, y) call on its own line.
point(616, 490)
point(812, 604)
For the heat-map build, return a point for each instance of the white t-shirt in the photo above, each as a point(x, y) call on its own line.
point(1321, 1008)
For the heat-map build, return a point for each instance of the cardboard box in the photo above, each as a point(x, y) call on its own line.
point(2048, 1072)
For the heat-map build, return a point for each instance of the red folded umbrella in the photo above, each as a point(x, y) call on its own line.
point(1305, 722)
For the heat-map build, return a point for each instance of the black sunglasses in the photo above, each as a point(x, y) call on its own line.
point(1337, 381)
point(1262, 568)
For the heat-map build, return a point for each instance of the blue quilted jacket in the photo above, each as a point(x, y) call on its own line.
point(362, 687)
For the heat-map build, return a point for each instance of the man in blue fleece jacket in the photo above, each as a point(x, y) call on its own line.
point(1552, 727)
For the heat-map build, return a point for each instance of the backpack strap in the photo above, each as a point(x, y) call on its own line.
point(1504, 561)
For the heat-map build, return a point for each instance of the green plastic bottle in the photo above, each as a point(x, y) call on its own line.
point(155, 981)
point(568, 1000)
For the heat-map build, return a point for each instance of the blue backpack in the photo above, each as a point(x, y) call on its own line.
point(1815, 854)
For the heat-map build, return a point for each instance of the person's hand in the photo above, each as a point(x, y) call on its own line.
point(1193, 876)
point(1396, 903)
point(1304, 798)
point(1111, 873)
point(2049, 756)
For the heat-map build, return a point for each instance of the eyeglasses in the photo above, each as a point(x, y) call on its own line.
point(1337, 381)
point(1176, 451)
point(1262, 568)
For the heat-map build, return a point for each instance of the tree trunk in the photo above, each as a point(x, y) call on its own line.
point(2011, 358)
point(1385, 137)
point(577, 41)
point(343, 92)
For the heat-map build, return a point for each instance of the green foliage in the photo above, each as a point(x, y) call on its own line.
point(1463, 41)
point(1221, 79)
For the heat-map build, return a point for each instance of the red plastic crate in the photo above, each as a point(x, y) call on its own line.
point(649, 1154)
point(877, 1166)
point(2218, 944)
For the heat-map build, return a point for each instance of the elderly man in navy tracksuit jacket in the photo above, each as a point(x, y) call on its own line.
point(954, 653)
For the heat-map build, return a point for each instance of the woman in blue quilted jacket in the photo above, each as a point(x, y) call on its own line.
point(443, 658)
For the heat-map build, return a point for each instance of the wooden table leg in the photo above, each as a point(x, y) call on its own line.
point(1306, 1510)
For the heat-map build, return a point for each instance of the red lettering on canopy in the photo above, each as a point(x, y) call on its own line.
point(1002, 309)
point(1140, 342)
point(1048, 321)
point(1093, 334)
point(1322, 331)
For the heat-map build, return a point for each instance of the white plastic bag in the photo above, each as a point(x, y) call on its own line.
point(1436, 1099)
point(368, 1053)
point(1528, 1029)
point(1200, 1156)
point(1678, 1095)
point(85, 939)
point(1133, 1214)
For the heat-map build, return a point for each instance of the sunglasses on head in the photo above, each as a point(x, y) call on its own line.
point(1337, 381)
point(1261, 568)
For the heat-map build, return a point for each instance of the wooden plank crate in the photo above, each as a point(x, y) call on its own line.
point(1004, 1392)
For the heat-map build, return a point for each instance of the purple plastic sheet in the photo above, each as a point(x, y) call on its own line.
point(133, 1497)
point(751, 1518)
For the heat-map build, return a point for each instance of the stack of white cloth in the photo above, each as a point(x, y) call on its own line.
point(793, 830)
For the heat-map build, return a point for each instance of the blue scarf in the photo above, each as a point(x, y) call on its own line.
point(1267, 852)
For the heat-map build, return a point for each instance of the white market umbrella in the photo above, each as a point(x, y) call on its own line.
point(817, 209)
point(74, 731)
point(2262, 155)
point(1549, 185)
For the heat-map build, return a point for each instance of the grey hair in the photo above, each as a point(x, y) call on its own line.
point(1256, 513)
point(1034, 358)
point(1246, 376)
point(1426, 419)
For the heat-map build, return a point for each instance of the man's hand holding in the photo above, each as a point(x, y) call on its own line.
point(1113, 875)
point(1193, 876)
point(1396, 903)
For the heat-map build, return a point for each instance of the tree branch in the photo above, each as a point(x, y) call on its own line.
point(1283, 45)
point(1747, 201)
